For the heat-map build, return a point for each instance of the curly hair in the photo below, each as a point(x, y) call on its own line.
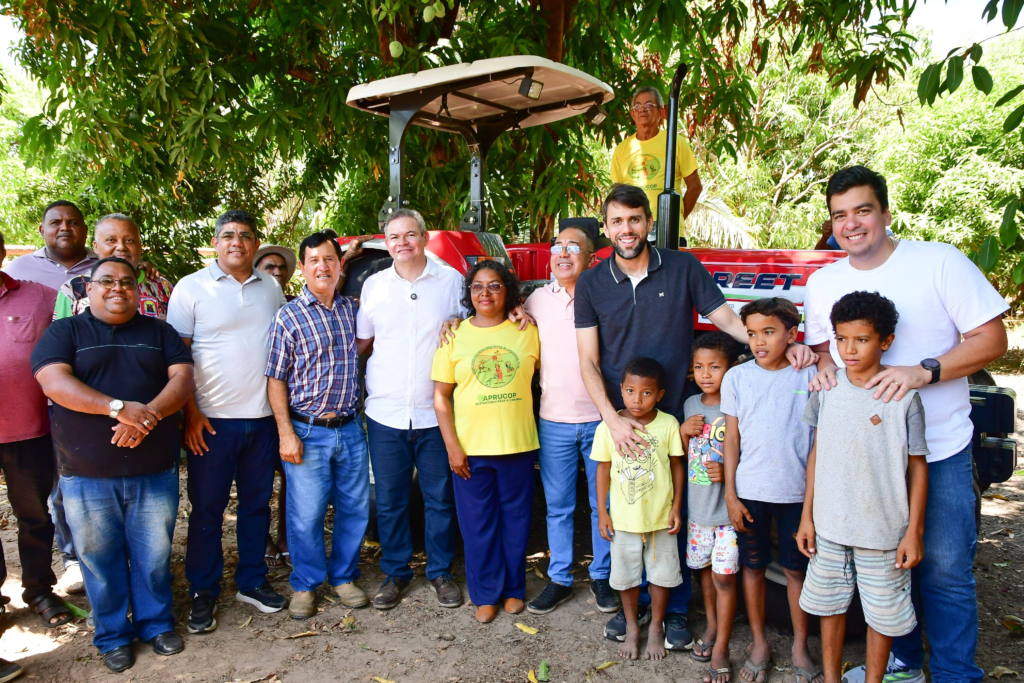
point(871, 307)
point(720, 342)
point(513, 297)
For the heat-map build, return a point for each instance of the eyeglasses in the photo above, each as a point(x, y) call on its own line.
point(557, 249)
point(493, 287)
point(227, 236)
point(648, 106)
point(109, 282)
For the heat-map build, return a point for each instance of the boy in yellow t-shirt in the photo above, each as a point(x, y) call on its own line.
point(646, 499)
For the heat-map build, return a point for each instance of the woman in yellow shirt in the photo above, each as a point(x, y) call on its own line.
point(484, 406)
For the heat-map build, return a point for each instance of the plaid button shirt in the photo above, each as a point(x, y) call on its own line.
point(313, 348)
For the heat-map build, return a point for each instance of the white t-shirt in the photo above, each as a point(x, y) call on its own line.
point(939, 294)
point(229, 325)
point(404, 319)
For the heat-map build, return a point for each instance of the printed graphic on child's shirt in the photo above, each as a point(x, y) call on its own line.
point(635, 473)
point(704, 448)
point(495, 366)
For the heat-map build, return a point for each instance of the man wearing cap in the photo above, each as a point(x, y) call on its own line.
point(224, 313)
point(640, 159)
point(278, 262)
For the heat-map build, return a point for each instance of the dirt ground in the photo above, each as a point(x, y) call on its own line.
point(420, 641)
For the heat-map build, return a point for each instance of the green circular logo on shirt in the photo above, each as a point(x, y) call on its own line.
point(495, 366)
point(645, 167)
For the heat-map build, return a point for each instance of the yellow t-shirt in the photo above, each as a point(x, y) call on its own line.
point(641, 489)
point(643, 164)
point(492, 370)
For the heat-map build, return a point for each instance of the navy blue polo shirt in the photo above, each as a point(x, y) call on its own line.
point(128, 362)
point(654, 320)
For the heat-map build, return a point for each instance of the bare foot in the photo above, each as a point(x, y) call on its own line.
point(655, 649)
point(631, 647)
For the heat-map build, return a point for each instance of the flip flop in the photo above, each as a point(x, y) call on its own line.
point(273, 561)
point(807, 674)
point(704, 647)
point(755, 669)
point(711, 672)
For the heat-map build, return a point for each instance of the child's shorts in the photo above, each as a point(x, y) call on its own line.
point(655, 551)
point(756, 546)
point(884, 589)
point(713, 546)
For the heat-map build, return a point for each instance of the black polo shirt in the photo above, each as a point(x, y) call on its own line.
point(655, 320)
point(128, 362)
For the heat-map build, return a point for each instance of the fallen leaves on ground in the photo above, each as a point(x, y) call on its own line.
point(305, 634)
point(381, 680)
point(606, 665)
point(245, 623)
point(1013, 622)
point(1000, 671)
point(994, 496)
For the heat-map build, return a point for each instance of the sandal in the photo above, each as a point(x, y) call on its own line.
point(705, 648)
point(807, 674)
point(710, 672)
point(755, 669)
point(50, 606)
point(273, 561)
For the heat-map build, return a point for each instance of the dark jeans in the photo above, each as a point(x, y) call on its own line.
point(62, 533)
point(495, 505)
point(393, 454)
point(244, 452)
point(28, 468)
point(113, 519)
point(943, 585)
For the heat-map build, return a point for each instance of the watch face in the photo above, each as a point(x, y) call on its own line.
point(930, 363)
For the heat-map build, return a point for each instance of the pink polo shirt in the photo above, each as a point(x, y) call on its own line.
point(564, 397)
point(25, 311)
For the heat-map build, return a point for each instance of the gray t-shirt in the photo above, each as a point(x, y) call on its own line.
point(705, 498)
point(774, 442)
point(860, 472)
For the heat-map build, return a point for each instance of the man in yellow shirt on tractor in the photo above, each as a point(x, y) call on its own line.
point(640, 159)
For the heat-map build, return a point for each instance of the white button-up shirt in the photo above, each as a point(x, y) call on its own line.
point(229, 325)
point(404, 319)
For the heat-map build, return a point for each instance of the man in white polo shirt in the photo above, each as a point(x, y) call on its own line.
point(401, 312)
point(224, 313)
point(949, 326)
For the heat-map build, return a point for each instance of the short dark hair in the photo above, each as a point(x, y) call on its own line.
point(59, 203)
point(629, 196)
point(111, 259)
point(857, 176)
point(783, 309)
point(513, 296)
point(588, 243)
point(235, 216)
point(645, 367)
point(720, 342)
point(315, 240)
point(871, 307)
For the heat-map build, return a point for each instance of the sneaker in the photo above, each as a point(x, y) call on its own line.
point(200, 617)
point(893, 674)
point(447, 591)
point(677, 636)
point(264, 598)
point(390, 593)
point(607, 599)
point(616, 628)
point(553, 595)
point(9, 670)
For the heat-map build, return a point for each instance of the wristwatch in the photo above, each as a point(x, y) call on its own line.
point(932, 366)
point(115, 407)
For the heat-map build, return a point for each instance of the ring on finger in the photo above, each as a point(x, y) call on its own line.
point(145, 422)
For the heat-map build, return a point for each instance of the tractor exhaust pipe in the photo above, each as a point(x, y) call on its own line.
point(670, 202)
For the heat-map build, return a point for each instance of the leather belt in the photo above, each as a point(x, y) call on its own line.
point(329, 422)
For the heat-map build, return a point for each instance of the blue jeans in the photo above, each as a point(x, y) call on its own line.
point(334, 469)
point(495, 506)
point(114, 519)
point(244, 452)
point(943, 585)
point(394, 453)
point(561, 445)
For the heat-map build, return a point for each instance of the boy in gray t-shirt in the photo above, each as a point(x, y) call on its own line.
point(710, 536)
point(867, 485)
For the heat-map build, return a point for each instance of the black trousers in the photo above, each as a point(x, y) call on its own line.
point(28, 468)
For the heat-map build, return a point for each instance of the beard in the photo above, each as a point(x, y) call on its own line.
point(630, 254)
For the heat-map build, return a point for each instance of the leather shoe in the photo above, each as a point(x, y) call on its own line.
point(447, 591)
point(514, 605)
point(120, 658)
point(167, 644)
point(485, 614)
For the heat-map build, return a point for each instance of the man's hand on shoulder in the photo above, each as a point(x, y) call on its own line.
point(519, 315)
point(801, 356)
point(627, 442)
point(895, 381)
point(448, 331)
